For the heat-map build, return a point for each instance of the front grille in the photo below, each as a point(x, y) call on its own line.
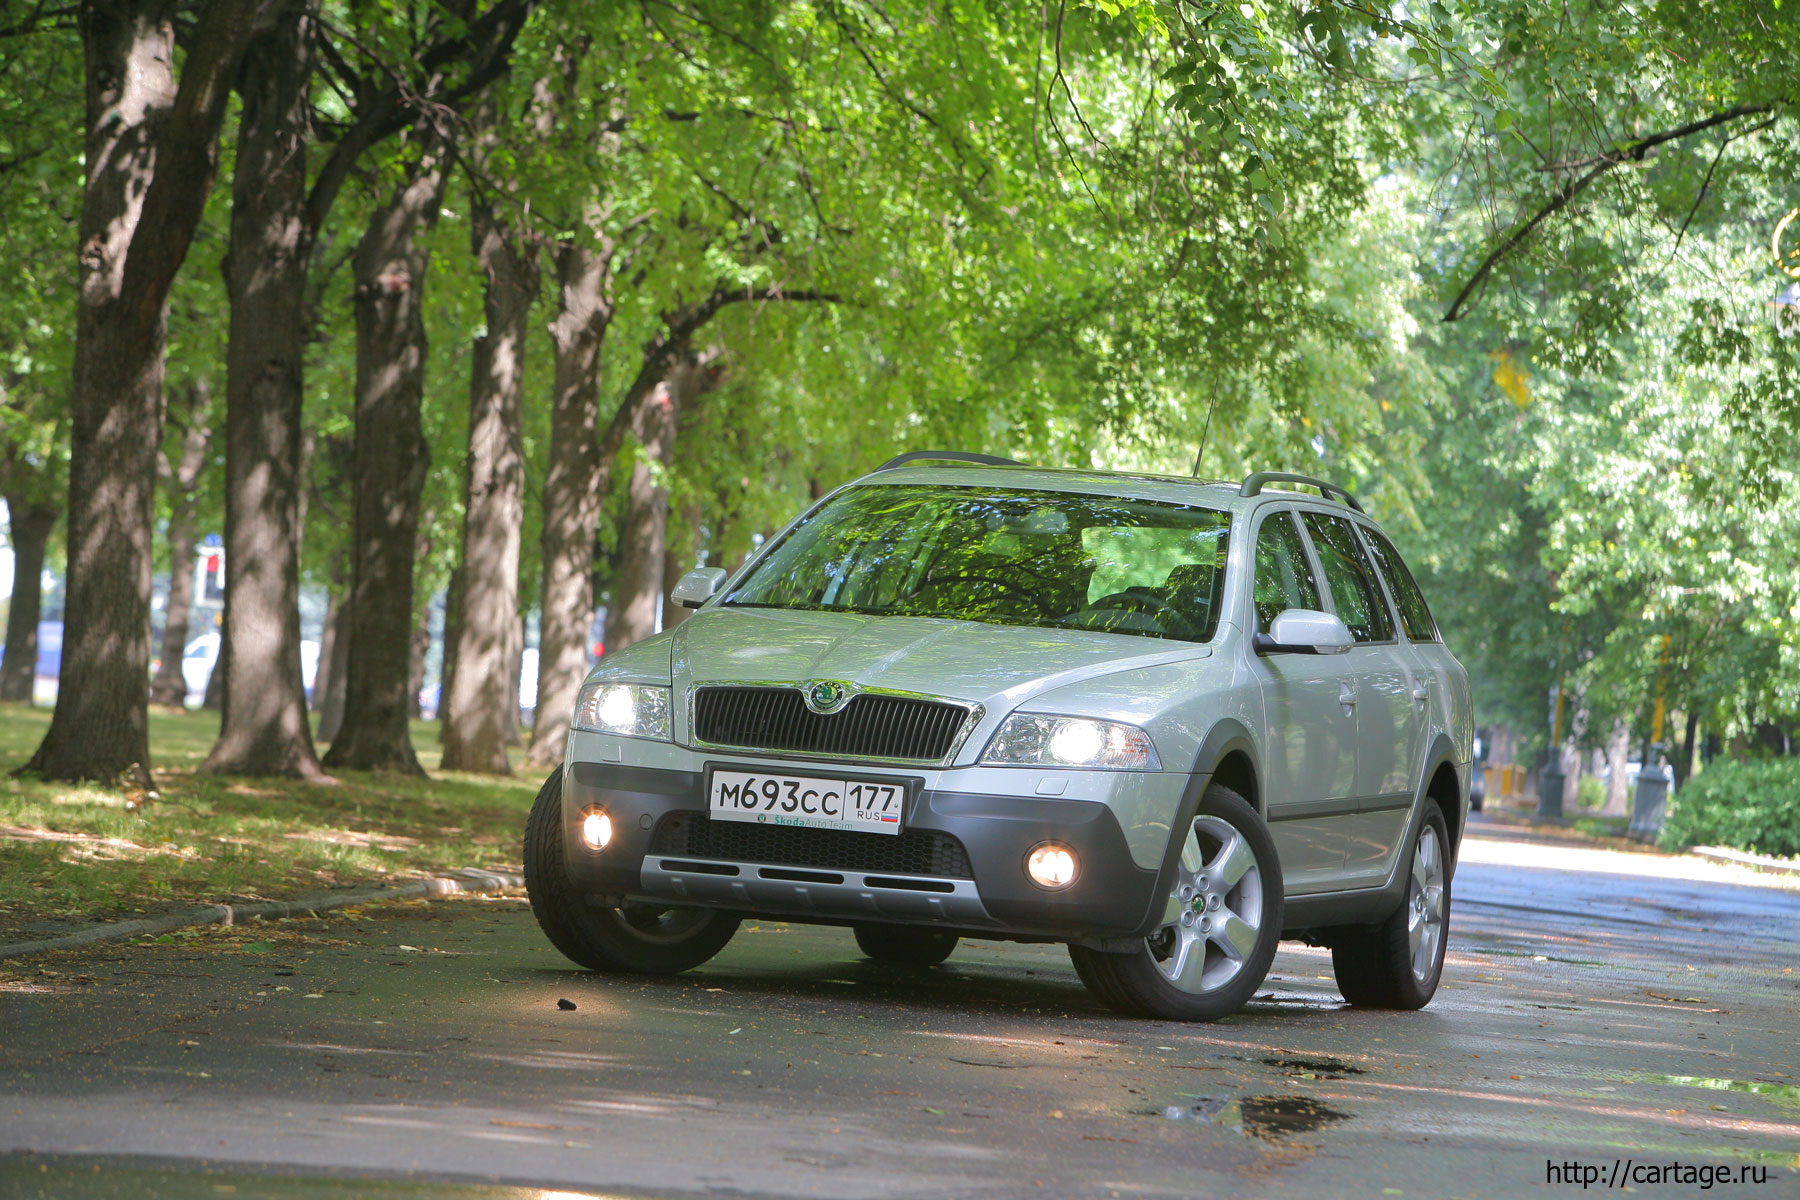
point(869, 726)
point(909, 852)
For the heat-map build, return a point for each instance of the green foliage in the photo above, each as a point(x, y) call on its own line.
point(1747, 805)
point(1590, 793)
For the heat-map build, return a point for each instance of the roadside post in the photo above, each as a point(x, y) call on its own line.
point(1651, 800)
point(1550, 779)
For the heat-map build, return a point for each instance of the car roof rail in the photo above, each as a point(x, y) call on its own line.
point(1254, 485)
point(912, 456)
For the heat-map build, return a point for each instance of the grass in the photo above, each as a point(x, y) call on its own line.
point(79, 851)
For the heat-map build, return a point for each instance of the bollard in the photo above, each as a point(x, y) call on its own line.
point(1550, 790)
point(1649, 803)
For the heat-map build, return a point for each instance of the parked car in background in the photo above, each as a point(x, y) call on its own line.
point(1166, 722)
point(202, 656)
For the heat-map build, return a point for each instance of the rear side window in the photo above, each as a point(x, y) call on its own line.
point(1401, 585)
point(1283, 578)
point(1347, 574)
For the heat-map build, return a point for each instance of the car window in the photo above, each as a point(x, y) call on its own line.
point(1002, 555)
point(1411, 601)
point(1284, 578)
point(1359, 603)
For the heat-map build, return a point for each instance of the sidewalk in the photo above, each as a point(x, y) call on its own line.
point(1521, 843)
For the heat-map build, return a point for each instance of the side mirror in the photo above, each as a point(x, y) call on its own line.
point(1304, 631)
point(697, 586)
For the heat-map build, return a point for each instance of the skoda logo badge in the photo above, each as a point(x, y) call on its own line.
point(825, 696)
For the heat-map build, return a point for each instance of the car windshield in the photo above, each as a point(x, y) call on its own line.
point(1005, 556)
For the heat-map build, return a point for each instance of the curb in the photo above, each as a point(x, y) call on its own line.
point(1778, 866)
point(449, 884)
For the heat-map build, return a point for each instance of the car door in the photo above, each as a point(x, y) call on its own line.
point(1435, 674)
point(1382, 671)
point(1309, 753)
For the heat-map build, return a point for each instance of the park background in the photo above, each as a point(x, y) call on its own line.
point(356, 355)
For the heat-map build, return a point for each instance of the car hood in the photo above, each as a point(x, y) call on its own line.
point(993, 665)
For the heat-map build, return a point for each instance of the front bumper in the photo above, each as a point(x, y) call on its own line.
point(959, 862)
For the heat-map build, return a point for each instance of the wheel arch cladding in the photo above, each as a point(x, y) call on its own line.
point(1228, 756)
point(1445, 789)
point(1236, 772)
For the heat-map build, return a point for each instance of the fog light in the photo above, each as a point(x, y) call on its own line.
point(596, 830)
point(1051, 865)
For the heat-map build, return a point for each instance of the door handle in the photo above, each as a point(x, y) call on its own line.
point(1346, 695)
point(1421, 692)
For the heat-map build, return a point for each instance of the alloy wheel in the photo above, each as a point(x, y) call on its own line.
point(1215, 911)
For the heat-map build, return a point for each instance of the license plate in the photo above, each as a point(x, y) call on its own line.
point(807, 802)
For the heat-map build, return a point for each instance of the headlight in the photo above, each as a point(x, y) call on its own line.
point(630, 709)
point(1027, 740)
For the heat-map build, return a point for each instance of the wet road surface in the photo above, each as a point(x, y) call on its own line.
point(1596, 1006)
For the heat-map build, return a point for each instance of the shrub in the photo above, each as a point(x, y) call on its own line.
point(1590, 793)
point(1752, 806)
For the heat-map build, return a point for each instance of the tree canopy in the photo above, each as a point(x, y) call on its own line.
point(1507, 269)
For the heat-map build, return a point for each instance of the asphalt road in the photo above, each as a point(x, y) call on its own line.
point(1596, 1006)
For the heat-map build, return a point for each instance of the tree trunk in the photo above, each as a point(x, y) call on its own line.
point(213, 700)
point(1618, 749)
point(1569, 760)
point(678, 563)
point(571, 496)
point(265, 728)
point(388, 471)
point(336, 668)
point(415, 672)
point(31, 523)
point(483, 688)
point(638, 587)
point(151, 152)
point(1684, 758)
point(515, 663)
point(328, 638)
point(452, 639)
point(170, 687)
point(633, 612)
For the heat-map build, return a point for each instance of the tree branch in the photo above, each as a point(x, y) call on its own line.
point(676, 335)
point(187, 152)
point(486, 47)
point(1634, 151)
point(42, 17)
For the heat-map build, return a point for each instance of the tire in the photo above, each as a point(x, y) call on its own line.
point(1200, 966)
point(646, 939)
point(1397, 964)
point(905, 945)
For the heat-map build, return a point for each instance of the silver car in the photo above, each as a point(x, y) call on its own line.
point(1164, 721)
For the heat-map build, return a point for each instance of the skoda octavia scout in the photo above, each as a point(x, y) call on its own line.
point(1164, 721)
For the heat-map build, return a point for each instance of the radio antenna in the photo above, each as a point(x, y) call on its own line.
point(1206, 430)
